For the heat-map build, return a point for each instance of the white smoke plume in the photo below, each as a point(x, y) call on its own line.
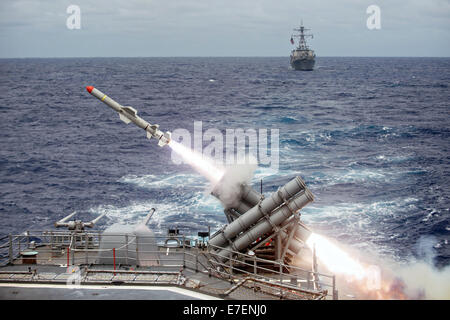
point(228, 189)
point(415, 279)
point(424, 281)
point(421, 279)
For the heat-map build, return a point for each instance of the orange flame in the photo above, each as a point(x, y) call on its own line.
point(367, 281)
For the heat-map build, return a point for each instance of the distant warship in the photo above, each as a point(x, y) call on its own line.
point(302, 58)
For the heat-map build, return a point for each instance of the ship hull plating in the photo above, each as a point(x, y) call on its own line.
point(303, 64)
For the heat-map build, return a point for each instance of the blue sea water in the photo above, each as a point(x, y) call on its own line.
point(370, 136)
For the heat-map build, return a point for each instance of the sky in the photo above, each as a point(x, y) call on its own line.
point(172, 28)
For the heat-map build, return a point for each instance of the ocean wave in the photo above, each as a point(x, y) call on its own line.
point(367, 224)
point(151, 181)
point(357, 176)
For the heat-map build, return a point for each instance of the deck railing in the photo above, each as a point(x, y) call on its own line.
point(253, 267)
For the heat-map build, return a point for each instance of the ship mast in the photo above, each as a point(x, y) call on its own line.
point(302, 42)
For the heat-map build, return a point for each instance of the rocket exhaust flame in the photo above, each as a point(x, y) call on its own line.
point(334, 258)
point(201, 164)
point(367, 281)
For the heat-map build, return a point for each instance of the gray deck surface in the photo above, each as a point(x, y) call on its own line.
point(65, 293)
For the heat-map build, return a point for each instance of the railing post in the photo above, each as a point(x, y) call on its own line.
point(281, 272)
point(255, 271)
point(231, 264)
point(11, 258)
point(72, 245)
point(184, 252)
point(51, 243)
point(314, 270)
point(28, 239)
point(86, 239)
point(335, 292)
point(196, 262)
point(209, 232)
point(281, 278)
point(126, 249)
point(137, 251)
point(114, 259)
point(208, 263)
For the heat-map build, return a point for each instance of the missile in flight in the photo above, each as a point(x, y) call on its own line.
point(129, 114)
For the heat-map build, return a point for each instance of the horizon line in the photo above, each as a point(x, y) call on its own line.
point(103, 57)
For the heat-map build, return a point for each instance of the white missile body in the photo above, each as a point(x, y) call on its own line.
point(129, 114)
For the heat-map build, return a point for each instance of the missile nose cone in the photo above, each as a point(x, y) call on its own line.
point(89, 88)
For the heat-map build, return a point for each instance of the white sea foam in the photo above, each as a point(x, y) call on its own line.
point(339, 176)
point(352, 209)
point(359, 221)
point(429, 214)
point(156, 182)
point(265, 172)
point(351, 175)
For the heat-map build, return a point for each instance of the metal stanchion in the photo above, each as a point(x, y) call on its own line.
point(11, 258)
point(86, 239)
point(126, 249)
point(114, 259)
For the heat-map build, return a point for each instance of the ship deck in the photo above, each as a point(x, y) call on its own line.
point(79, 270)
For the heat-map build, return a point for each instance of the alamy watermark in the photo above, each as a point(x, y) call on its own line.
point(374, 20)
point(73, 22)
point(231, 146)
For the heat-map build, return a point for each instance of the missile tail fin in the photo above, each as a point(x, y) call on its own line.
point(149, 135)
point(165, 139)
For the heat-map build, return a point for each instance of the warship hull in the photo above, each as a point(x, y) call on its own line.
point(303, 64)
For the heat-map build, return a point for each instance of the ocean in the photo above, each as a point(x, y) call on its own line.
point(370, 137)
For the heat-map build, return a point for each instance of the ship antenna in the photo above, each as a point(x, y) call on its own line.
point(301, 35)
